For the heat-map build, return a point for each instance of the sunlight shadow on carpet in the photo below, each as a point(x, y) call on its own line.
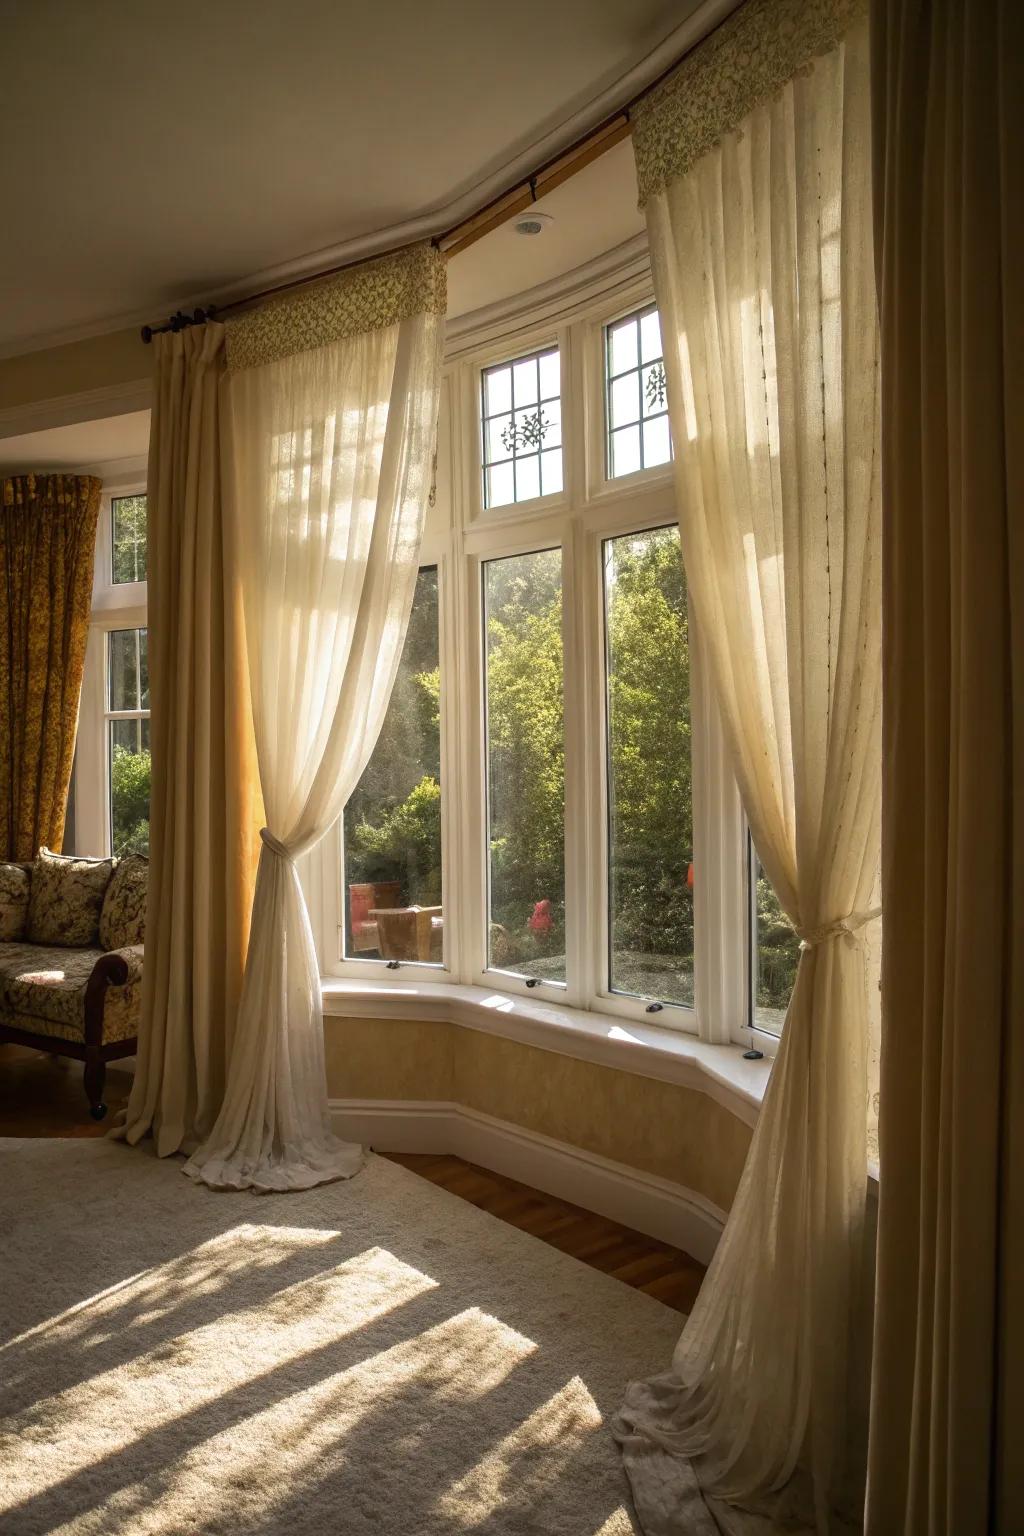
point(373, 1357)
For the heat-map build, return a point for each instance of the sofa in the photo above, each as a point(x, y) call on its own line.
point(72, 937)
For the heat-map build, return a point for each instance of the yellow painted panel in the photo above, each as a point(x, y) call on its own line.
point(677, 1133)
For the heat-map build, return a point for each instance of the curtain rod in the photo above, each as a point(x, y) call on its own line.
point(551, 174)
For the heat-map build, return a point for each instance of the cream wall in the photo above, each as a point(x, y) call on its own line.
point(100, 362)
point(661, 1128)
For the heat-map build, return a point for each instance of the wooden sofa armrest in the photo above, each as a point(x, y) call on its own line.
point(113, 969)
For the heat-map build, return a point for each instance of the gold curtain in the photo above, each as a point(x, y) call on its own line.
point(947, 1414)
point(205, 808)
point(47, 548)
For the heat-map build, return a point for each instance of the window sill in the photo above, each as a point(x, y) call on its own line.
point(665, 1055)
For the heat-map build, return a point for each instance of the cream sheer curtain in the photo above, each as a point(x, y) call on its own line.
point(332, 402)
point(205, 807)
point(756, 164)
point(947, 1411)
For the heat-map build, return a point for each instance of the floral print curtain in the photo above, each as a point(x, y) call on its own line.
point(47, 547)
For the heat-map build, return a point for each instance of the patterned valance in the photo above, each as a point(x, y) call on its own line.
point(50, 493)
point(746, 60)
point(365, 298)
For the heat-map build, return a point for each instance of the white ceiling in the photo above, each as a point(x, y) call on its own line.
point(594, 212)
point(86, 445)
point(159, 153)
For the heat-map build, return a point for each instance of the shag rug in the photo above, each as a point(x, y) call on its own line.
point(371, 1356)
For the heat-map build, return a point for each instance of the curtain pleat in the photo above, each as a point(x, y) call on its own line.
point(47, 549)
point(947, 1418)
point(763, 272)
point(205, 808)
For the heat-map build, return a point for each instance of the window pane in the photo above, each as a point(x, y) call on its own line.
point(650, 336)
point(657, 446)
point(498, 393)
point(525, 764)
point(129, 674)
point(635, 390)
point(650, 818)
point(626, 451)
point(129, 786)
point(622, 346)
point(128, 538)
point(525, 382)
point(550, 375)
point(528, 478)
point(776, 953)
point(521, 416)
point(501, 485)
point(625, 400)
point(551, 473)
point(392, 823)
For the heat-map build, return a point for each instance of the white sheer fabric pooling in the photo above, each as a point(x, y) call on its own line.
point(763, 269)
point(330, 452)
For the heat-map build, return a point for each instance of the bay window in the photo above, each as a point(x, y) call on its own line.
point(551, 745)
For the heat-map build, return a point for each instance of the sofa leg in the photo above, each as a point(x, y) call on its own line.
point(95, 1073)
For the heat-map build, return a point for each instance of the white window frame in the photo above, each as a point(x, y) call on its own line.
point(590, 508)
point(115, 605)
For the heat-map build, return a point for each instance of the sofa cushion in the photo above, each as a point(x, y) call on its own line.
point(123, 918)
point(66, 900)
point(46, 982)
point(42, 990)
point(15, 887)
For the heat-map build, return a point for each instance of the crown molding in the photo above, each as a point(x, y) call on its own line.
point(68, 410)
point(546, 147)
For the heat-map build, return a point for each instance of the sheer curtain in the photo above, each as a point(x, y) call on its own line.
point(755, 161)
point(332, 406)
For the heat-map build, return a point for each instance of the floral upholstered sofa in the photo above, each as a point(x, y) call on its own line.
point(71, 948)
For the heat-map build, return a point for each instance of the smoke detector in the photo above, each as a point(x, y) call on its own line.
point(532, 223)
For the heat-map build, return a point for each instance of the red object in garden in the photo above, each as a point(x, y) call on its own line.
point(539, 920)
point(689, 875)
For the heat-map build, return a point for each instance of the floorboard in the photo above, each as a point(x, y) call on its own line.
point(43, 1096)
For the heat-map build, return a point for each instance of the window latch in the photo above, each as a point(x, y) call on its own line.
point(533, 981)
point(392, 965)
point(653, 1008)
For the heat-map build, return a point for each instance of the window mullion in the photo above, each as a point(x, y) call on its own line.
point(719, 838)
point(578, 842)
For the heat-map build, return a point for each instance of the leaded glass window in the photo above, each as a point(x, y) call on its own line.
point(636, 397)
point(521, 414)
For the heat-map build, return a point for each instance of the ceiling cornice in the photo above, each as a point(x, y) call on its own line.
point(547, 147)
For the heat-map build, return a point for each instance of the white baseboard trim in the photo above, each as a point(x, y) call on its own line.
point(661, 1209)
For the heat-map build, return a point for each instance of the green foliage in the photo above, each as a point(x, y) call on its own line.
point(129, 538)
point(130, 774)
point(649, 736)
point(393, 821)
point(526, 750)
point(778, 948)
point(404, 844)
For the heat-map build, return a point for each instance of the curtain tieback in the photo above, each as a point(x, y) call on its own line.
point(846, 927)
point(275, 845)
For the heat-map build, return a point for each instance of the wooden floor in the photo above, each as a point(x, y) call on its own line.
point(667, 1273)
point(43, 1096)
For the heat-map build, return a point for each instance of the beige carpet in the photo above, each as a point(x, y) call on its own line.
point(373, 1356)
